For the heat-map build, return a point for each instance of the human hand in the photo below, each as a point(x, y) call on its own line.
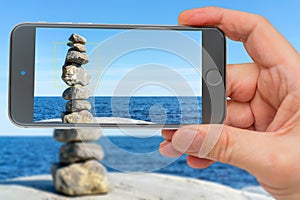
point(262, 128)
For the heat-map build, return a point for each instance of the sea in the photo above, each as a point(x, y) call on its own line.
point(156, 109)
point(27, 156)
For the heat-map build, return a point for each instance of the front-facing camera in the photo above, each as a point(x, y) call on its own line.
point(23, 72)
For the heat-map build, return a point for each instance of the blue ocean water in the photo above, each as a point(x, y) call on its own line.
point(159, 110)
point(26, 156)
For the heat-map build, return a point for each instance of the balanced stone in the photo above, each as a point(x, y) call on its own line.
point(78, 105)
point(75, 38)
point(77, 46)
point(78, 171)
point(78, 179)
point(77, 135)
point(78, 152)
point(76, 92)
point(78, 117)
point(76, 57)
point(73, 75)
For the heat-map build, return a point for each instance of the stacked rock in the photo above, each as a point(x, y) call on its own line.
point(78, 171)
point(75, 76)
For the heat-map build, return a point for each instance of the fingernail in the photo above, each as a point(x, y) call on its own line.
point(187, 140)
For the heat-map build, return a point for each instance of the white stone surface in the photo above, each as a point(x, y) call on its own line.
point(130, 186)
point(107, 120)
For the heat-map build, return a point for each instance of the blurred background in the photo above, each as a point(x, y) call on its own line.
point(31, 151)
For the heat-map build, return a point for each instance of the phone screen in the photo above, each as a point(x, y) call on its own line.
point(138, 76)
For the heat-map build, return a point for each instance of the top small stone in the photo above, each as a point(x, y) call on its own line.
point(75, 38)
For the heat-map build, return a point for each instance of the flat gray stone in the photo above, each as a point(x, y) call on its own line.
point(77, 46)
point(78, 105)
point(131, 186)
point(77, 135)
point(75, 38)
point(76, 57)
point(76, 93)
point(73, 75)
point(78, 117)
point(80, 152)
point(88, 178)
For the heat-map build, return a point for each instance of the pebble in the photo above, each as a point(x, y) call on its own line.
point(78, 105)
point(75, 38)
point(76, 57)
point(79, 152)
point(77, 135)
point(88, 178)
point(77, 46)
point(73, 75)
point(78, 117)
point(76, 93)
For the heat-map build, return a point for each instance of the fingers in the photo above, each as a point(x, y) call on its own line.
point(167, 134)
point(198, 162)
point(263, 42)
point(166, 149)
point(239, 114)
point(241, 81)
point(242, 148)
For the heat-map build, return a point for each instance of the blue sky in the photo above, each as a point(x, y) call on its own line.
point(121, 53)
point(284, 15)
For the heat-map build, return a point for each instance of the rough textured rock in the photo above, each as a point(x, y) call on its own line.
point(78, 171)
point(78, 105)
point(78, 117)
point(77, 135)
point(76, 57)
point(73, 75)
point(77, 46)
point(75, 38)
point(80, 179)
point(76, 93)
point(79, 152)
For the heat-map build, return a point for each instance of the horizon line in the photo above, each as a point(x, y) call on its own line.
point(131, 96)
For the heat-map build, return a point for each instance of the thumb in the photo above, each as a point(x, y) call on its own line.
point(243, 148)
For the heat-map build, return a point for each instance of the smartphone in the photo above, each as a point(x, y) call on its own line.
point(90, 75)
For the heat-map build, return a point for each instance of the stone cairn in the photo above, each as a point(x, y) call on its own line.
point(78, 171)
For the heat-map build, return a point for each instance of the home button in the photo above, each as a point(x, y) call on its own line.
point(213, 77)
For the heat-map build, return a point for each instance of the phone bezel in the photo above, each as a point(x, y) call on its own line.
point(21, 88)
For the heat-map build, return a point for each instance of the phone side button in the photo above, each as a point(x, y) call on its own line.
point(213, 77)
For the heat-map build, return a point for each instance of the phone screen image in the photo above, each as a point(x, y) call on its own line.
point(116, 76)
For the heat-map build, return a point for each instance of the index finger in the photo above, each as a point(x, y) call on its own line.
point(167, 134)
point(266, 46)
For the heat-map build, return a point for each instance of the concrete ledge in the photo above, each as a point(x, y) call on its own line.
point(131, 186)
